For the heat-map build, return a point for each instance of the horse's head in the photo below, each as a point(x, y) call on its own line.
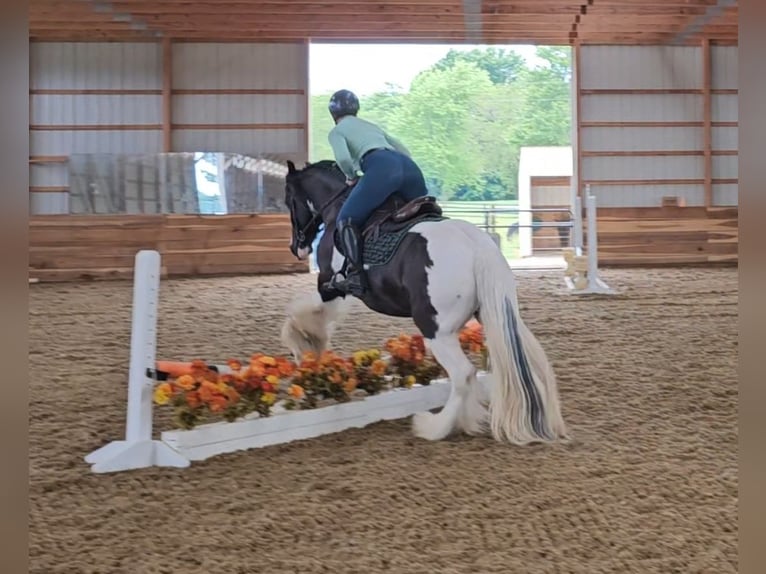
point(308, 194)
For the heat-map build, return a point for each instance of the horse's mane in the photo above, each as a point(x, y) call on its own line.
point(327, 166)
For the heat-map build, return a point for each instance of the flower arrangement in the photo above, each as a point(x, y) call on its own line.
point(370, 371)
point(409, 362)
point(472, 342)
point(316, 378)
point(204, 391)
point(258, 384)
point(266, 379)
point(196, 393)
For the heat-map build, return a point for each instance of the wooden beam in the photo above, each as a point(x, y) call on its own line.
point(94, 127)
point(167, 90)
point(577, 78)
point(707, 130)
point(264, 126)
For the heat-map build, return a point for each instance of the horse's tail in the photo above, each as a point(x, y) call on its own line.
point(524, 403)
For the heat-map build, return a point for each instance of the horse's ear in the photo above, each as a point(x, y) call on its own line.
point(291, 166)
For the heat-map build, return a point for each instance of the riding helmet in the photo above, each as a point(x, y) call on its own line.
point(343, 103)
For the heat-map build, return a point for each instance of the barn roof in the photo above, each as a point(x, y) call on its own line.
point(433, 21)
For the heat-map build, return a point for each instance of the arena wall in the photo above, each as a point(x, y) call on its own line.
point(150, 98)
point(657, 145)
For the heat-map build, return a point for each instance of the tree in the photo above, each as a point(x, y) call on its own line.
point(546, 109)
point(434, 121)
point(503, 66)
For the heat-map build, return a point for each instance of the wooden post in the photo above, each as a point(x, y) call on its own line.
point(307, 98)
point(707, 121)
point(167, 94)
point(576, 76)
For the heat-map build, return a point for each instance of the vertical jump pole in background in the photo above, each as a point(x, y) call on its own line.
point(138, 450)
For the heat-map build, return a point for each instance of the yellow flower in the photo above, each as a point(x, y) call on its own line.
point(268, 361)
point(409, 381)
point(163, 393)
point(273, 379)
point(223, 388)
point(373, 354)
point(269, 398)
point(359, 357)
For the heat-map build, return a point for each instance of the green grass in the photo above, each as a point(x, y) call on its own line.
point(454, 209)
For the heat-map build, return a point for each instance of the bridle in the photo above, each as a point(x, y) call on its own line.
point(316, 219)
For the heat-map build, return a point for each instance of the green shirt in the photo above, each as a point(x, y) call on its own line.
point(352, 137)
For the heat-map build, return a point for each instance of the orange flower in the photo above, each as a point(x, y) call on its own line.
point(218, 403)
point(207, 391)
point(234, 365)
point(378, 367)
point(286, 368)
point(296, 391)
point(268, 361)
point(186, 382)
point(350, 385)
point(193, 399)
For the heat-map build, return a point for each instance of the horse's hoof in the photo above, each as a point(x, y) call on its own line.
point(428, 426)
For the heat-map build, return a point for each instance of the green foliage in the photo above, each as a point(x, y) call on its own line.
point(503, 66)
point(465, 118)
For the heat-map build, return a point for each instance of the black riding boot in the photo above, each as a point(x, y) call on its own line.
point(355, 281)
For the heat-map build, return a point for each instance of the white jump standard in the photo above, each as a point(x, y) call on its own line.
point(138, 450)
point(581, 275)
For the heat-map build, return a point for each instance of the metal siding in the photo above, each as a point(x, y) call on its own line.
point(95, 65)
point(246, 142)
point(645, 195)
point(90, 66)
point(67, 143)
point(48, 174)
point(640, 67)
point(725, 194)
point(96, 110)
point(236, 67)
point(658, 167)
point(48, 203)
point(725, 138)
point(641, 108)
point(725, 167)
point(238, 109)
point(724, 107)
point(632, 139)
point(724, 64)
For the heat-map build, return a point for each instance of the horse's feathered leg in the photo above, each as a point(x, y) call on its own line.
point(463, 411)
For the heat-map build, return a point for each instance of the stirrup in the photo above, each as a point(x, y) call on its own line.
point(352, 283)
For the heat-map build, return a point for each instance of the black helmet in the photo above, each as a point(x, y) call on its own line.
point(343, 103)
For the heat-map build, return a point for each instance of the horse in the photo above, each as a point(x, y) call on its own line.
point(441, 273)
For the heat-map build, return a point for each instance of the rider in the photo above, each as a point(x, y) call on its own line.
point(377, 165)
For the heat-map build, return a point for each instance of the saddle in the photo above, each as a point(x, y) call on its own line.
point(396, 215)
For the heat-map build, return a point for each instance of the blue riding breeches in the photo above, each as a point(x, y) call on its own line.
point(385, 172)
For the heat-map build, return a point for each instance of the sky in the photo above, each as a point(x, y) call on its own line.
point(368, 68)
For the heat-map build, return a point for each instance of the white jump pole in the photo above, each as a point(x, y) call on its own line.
point(138, 450)
point(595, 284)
point(577, 239)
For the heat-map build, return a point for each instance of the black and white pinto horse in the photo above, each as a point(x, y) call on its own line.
point(440, 272)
